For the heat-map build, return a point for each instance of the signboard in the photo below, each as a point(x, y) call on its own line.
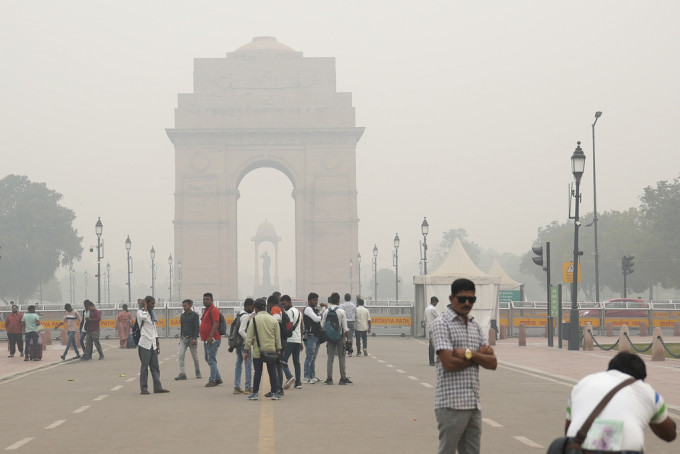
point(554, 300)
point(568, 272)
point(506, 296)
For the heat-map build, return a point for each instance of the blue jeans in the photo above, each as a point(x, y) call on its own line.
point(71, 341)
point(312, 348)
point(292, 349)
point(211, 359)
point(31, 338)
point(239, 365)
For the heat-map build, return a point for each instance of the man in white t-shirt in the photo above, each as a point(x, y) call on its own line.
point(620, 426)
point(149, 348)
point(431, 314)
point(293, 345)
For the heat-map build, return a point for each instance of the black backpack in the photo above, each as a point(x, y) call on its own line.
point(234, 339)
point(332, 325)
point(287, 326)
point(222, 327)
point(137, 332)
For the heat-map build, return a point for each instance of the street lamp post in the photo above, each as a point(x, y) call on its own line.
point(153, 272)
point(359, 271)
point(578, 163)
point(170, 266)
point(425, 229)
point(375, 272)
point(179, 279)
point(85, 284)
point(99, 228)
point(128, 246)
point(108, 283)
point(396, 266)
point(597, 253)
point(351, 277)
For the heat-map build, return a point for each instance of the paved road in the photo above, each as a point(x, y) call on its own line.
point(80, 406)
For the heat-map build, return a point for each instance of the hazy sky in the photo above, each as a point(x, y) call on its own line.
point(472, 111)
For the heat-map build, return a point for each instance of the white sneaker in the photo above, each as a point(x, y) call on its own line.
point(289, 383)
point(316, 379)
point(309, 380)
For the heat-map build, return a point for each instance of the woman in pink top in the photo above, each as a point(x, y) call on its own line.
point(123, 325)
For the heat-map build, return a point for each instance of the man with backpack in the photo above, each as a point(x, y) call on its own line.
point(293, 345)
point(237, 341)
point(334, 323)
point(188, 338)
point(210, 335)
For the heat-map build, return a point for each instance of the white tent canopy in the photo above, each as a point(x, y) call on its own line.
point(456, 265)
point(507, 283)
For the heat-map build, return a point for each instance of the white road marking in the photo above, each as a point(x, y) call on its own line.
point(400, 371)
point(116, 388)
point(101, 397)
point(491, 422)
point(389, 365)
point(130, 380)
point(427, 385)
point(82, 409)
point(412, 377)
point(18, 444)
point(538, 376)
point(381, 361)
point(165, 359)
point(420, 342)
point(526, 441)
point(56, 424)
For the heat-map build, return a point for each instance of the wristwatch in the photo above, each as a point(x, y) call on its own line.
point(468, 354)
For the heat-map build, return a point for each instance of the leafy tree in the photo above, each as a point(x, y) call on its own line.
point(36, 235)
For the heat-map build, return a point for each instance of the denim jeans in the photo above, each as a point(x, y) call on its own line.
point(350, 328)
point(184, 343)
point(312, 348)
point(239, 366)
point(71, 341)
point(211, 359)
point(361, 336)
point(271, 369)
point(31, 338)
point(83, 336)
point(294, 350)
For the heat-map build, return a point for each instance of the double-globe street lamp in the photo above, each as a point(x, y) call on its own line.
point(578, 163)
point(396, 266)
point(170, 265)
point(99, 228)
point(375, 272)
point(351, 277)
point(597, 252)
point(179, 279)
point(359, 271)
point(152, 253)
point(108, 283)
point(128, 246)
point(425, 229)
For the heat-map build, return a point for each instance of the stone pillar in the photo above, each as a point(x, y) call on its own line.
point(504, 331)
point(588, 344)
point(658, 353)
point(643, 329)
point(522, 335)
point(624, 345)
point(610, 329)
point(64, 336)
point(676, 329)
point(545, 334)
point(492, 337)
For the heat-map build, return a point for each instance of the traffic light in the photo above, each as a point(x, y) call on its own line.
point(627, 264)
point(538, 250)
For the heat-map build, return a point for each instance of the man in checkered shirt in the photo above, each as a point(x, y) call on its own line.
point(461, 348)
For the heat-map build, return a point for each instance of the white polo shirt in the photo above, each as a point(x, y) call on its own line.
point(148, 333)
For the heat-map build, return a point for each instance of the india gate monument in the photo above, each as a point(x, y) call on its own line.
point(264, 105)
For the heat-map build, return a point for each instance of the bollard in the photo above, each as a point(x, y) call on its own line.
point(522, 335)
point(610, 329)
point(643, 328)
point(492, 337)
point(546, 332)
point(47, 337)
point(676, 329)
point(624, 345)
point(657, 348)
point(64, 337)
point(504, 332)
point(588, 345)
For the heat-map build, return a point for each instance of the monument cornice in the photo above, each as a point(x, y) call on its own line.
point(257, 136)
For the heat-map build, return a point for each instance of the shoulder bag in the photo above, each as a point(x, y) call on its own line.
point(568, 445)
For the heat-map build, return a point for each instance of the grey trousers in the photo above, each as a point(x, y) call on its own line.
point(184, 343)
point(459, 429)
point(149, 360)
point(335, 348)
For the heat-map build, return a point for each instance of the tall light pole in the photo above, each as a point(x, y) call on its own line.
point(375, 272)
point(425, 229)
point(578, 163)
point(597, 252)
point(179, 279)
point(153, 272)
point(72, 284)
point(396, 266)
point(85, 284)
point(351, 277)
point(128, 246)
point(108, 283)
point(99, 228)
point(170, 266)
point(359, 271)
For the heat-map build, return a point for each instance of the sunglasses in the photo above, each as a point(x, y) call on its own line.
point(463, 299)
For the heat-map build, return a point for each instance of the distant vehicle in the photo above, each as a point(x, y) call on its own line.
point(620, 308)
